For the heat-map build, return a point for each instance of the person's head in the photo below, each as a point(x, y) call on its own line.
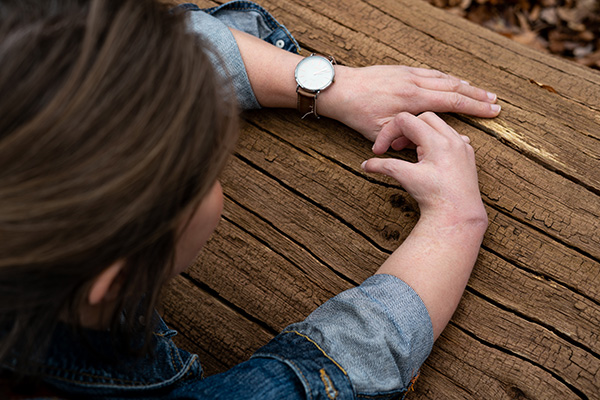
point(113, 129)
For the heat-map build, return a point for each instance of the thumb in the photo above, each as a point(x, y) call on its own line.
point(400, 170)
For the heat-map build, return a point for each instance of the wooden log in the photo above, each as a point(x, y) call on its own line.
point(541, 346)
point(328, 146)
point(302, 222)
point(219, 334)
point(546, 126)
point(485, 372)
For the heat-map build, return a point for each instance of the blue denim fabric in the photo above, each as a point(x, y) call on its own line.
point(291, 366)
point(251, 18)
point(379, 332)
point(212, 24)
point(103, 371)
point(367, 342)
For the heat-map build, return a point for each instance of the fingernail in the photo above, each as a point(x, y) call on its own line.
point(363, 165)
point(495, 108)
point(466, 83)
point(491, 96)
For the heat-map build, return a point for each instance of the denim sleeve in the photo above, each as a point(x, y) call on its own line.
point(379, 332)
point(367, 342)
point(213, 23)
point(290, 367)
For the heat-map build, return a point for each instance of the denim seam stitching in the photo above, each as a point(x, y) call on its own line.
point(328, 384)
point(319, 347)
point(172, 358)
point(295, 369)
point(127, 381)
point(134, 383)
point(303, 377)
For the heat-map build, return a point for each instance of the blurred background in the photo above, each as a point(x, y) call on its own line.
point(567, 28)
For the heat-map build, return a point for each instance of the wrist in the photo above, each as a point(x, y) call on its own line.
point(466, 220)
point(332, 100)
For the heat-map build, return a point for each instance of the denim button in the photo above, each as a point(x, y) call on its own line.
point(280, 43)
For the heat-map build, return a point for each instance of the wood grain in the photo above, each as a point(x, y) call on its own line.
point(302, 222)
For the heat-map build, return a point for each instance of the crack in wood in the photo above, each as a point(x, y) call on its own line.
point(215, 294)
point(511, 262)
point(291, 239)
point(557, 377)
point(535, 321)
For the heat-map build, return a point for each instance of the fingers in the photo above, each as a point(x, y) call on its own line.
point(427, 73)
point(455, 102)
point(402, 143)
point(397, 169)
point(437, 123)
point(407, 131)
point(390, 133)
point(439, 81)
point(403, 130)
point(440, 125)
point(441, 152)
point(451, 84)
point(444, 93)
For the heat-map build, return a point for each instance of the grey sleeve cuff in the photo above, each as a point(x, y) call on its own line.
point(380, 332)
point(220, 37)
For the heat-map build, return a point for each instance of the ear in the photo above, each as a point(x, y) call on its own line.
point(106, 283)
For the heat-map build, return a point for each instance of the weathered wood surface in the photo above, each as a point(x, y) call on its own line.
point(302, 222)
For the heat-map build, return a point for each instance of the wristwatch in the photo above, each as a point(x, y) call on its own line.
point(313, 74)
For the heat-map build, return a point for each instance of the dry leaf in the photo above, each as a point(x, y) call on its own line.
point(569, 28)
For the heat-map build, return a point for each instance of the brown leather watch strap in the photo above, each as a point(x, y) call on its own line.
point(307, 102)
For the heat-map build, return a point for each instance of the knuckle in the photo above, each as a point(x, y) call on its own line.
point(446, 143)
point(428, 115)
point(403, 117)
point(389, 168)
point(411, 88)
point(454, 85)
point(456, 101)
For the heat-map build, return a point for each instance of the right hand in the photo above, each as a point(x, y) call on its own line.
point(444, 180)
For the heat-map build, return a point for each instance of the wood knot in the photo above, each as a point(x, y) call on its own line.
point(399, 201)
point(515, 393)
point(390, 233)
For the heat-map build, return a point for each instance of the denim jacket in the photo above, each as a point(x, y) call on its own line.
point(366, 342)
point(212, 24)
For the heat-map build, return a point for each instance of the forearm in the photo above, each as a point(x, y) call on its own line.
point(270, 70)
point(271, 73)
point(436, 260)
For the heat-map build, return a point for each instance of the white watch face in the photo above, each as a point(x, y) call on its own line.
point(314, 73)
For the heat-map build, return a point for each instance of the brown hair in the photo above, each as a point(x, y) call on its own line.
point(112, 122)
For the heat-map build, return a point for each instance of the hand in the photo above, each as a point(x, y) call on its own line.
point(444, 180)
point(437, 257)
point(368, 99)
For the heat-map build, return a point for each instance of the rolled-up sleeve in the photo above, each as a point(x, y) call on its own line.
point(213, 25)
point(379, 333)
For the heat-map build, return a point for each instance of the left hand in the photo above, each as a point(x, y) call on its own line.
point(368, 99)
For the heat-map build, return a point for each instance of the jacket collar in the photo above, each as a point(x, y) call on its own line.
point(93, 364)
